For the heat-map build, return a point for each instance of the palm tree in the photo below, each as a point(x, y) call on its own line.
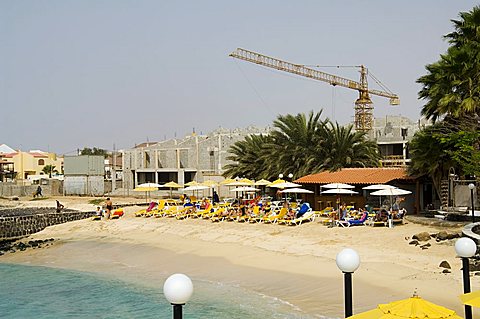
point(247, 157)
point(301, 144)
point(49, 169)
point(349, 149)
point(451, 86)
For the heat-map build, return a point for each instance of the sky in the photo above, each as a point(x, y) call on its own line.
point(116, 73)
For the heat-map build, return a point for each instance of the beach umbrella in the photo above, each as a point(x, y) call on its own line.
point(297, 190)
point(146, 189)
point(471, 299)
point(192, 183)
point(275, 182)
point(339, 191)
point(337, 185)
point(197, 187)
point(172, 185)
point(411, 308)
point(378, 186)
point(284, 185)
point(391, 192)
point(262, 182)
point(243, 182)
point(154, 185)
point(244, 189)
point(227, 181)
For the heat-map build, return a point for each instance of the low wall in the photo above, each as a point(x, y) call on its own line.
point(49, 188)
point(21, 226)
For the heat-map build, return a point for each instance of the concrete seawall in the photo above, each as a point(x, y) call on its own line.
point(16, 227)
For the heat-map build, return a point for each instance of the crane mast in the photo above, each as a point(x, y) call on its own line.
point(363, 105)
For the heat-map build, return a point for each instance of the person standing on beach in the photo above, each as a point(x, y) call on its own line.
point(38, 192)
point(108, 207)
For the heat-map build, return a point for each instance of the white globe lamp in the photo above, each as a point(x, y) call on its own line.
point(465, 247)
point(178, 289)
point(348, 260)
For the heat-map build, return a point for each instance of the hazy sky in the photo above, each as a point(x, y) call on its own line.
point(83, 73)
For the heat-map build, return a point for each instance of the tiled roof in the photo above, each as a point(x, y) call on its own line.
point(356, 176)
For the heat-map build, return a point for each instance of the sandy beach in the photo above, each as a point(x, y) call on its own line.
point(295, 264)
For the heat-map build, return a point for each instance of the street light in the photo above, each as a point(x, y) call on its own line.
point(466, 248)
point(472, 187)
point(290, 176)
point(178, 289)
point(280, 176)
point(348, 261)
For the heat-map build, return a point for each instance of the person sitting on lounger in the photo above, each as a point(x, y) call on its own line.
point(303, 209)
point(382, 216)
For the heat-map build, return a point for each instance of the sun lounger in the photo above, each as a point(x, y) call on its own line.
point(275, 218)
point(307, 217)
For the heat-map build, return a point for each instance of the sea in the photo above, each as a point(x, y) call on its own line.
point(47, 293)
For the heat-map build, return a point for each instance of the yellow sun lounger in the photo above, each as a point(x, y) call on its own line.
point(275, 218)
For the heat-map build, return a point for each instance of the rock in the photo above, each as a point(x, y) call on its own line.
point(476, 274)
point(443, 235)
point(423, 247)
point(445, 264)
point(423, 236)
point(454, 235)
point(474, 265)
point(414, 242)
point(426, 245)
point(446, 271)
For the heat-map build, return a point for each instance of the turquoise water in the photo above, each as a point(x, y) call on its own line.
point(41, 293)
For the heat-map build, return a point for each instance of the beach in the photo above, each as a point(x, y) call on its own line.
point(293, 263)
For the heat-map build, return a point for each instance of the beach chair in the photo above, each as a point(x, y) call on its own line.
point(155, 210)
point(353, 222)
point(117, 213)
point(307, 217)
point(143, 212)
point(275, 218)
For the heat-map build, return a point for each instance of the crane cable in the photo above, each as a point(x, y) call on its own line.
point(254, 89)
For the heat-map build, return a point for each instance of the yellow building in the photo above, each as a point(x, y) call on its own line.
point(32, 163)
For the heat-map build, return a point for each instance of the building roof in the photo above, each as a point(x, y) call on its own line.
point(356, 176)
point(6, 149)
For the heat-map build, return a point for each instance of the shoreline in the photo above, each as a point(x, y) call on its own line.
point(294, 264)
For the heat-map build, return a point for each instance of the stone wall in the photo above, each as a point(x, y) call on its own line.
point(20, 226)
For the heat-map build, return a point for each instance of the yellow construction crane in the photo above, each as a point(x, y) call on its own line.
point(363, 105)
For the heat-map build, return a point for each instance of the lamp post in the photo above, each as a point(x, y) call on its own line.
point(178, 289)
point(451, 187)
point(290, 176)
point(472, 187)
point(466, 248)
point(348, 261)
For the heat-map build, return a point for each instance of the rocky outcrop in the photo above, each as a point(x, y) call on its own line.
point(14, 227)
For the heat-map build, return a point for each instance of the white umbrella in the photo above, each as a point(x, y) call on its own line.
point(297, 190)
point(244, 189)
point(149, 185)
point(285, 185)
point(337, 185)
point(195, 188)
point(391, 192)
point(378, 186)
point(339, 191)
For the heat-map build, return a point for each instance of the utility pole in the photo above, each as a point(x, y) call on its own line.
point(114, 171)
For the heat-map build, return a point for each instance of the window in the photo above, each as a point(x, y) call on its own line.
point(41, 162)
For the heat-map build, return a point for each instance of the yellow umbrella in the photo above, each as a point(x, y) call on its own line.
point(275, 182)
point(227, 181)
point(209, 183)
point(411, 308)
point(192, 183)
point(171, 185)
point(146, 189)
point(471, 298)
point(262, 182)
